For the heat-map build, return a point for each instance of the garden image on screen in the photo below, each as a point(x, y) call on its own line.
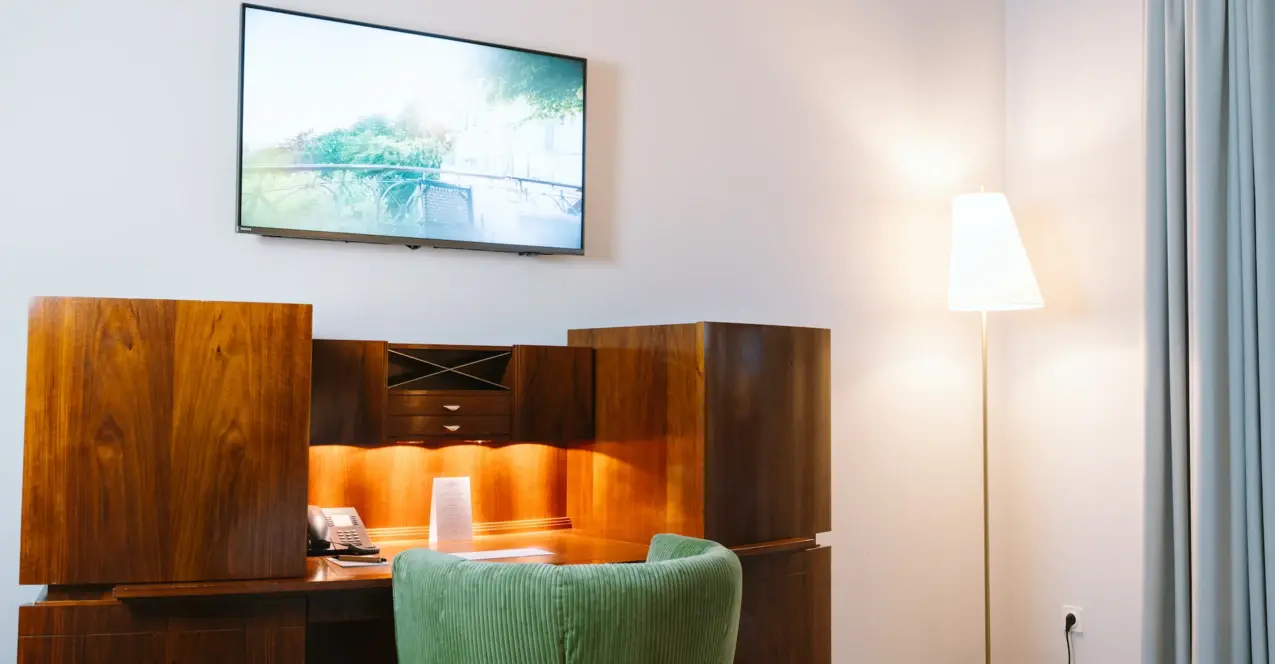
point(365, 131)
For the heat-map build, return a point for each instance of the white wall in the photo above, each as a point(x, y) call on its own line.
point(1068, 380)
point(822, 140)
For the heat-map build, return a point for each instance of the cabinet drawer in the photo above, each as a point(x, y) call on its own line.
point(431, 426)
point(452, 406)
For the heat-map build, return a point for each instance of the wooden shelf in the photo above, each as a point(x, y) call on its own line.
point(450, 368)
point(371, 393)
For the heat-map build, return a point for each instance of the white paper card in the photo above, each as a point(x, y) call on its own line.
point(351, 563)
point(450, 512)
point(502, 553)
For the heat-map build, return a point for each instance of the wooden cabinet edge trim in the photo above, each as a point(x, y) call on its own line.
point(294, 586)
point(777, 546)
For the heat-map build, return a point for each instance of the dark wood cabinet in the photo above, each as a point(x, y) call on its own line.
point(165, 441)
point(171, 447)
point(786, 617)
point(715, 430)
point(722, 431)
point(552, 394)
point(347, 392)
point(767, 432)
point(375, 393)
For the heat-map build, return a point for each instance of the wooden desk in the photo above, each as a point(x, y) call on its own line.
point(168, 465)
point(331, 614)
point(568, 548)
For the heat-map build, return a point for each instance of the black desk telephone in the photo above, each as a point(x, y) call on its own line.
point(335, 531)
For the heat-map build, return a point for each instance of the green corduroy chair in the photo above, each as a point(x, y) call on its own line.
point(679, 607)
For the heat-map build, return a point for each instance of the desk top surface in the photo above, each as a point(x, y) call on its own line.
point(568, 547)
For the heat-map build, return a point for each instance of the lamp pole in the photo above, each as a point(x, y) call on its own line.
point(987, 524)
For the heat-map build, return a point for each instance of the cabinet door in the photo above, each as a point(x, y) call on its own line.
point(238, 458)
point(165, 441)
point(348, 392)
point(283, 645)
point(250, 629)
point(92, 649)
point(553, 394)
point(786, 616)
point(98, 418)
point(768, 433)
point(278, 645)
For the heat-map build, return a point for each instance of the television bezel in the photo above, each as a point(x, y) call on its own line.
point(411, 242)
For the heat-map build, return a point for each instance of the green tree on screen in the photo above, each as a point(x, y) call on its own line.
point(375, 140)
point(371, 140)
point(553, 86)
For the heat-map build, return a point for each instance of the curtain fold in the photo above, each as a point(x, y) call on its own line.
point(1167, 583)
point(1211, 336)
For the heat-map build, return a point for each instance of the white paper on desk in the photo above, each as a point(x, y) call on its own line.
point(502, 553)
point(351, 563)
point(450, 513)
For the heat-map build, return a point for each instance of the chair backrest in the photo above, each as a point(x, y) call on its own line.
point(680, 607)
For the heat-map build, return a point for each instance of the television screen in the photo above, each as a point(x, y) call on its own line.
point(357, 132)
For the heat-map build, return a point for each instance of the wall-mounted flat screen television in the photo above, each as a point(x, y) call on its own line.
point(356, 132)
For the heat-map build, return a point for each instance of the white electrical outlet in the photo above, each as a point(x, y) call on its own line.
point(1080, 618)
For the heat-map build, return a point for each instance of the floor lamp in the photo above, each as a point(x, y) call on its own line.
point(989, 271)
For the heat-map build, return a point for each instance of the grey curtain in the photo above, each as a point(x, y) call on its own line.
point(1210, 502)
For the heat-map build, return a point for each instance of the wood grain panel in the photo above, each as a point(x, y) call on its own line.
point(768, 432)
point(87, 617)
point(111, 616)
point(50, 649)
point(643, 472)
point(241, 419)
point(391, 486)
point(98, 414)
point(217, 629)
point(820, 584)
point(164, 440)
point(284, 645)
point(348, 390)
point(466, 427)
point(684, 386)
point(785, 615)
point(455, 403)
point(553, 394)
point(205, 647)
point(119, 648)
point(93, 649)
point(255, 646)
point(227, 613)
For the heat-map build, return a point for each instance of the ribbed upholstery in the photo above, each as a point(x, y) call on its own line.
point(680, 607)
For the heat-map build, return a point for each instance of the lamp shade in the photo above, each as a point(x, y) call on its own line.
point(989, 269)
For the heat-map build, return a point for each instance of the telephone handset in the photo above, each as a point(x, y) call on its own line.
point(338, 527)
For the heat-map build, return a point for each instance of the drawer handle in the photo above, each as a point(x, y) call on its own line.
point(452, 408)
point(452, 427)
